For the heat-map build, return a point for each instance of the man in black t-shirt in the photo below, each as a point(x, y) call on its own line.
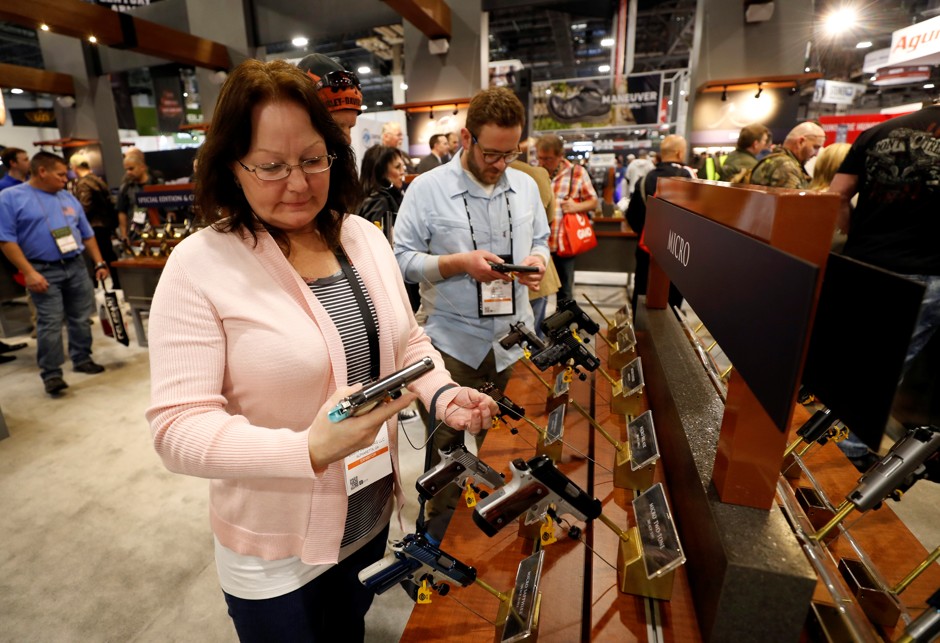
point(894, 168)
point(672, 154)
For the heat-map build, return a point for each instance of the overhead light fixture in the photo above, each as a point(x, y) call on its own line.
point(759, 90)
point(607, 42)
point(300, 41)
point(806, 69)
point(431, 114)
point(456, 109)
point(403, 86)
point(724, 93)
point(840, 21)
point(364, 69)
point(929, 86)
point(16, 90)
point(364, 107)
point(44, 27)
point(604, 69)
point(185, 94)
point(379, 103)
point(548, 91)
point(865, 44)
point(92, 40)
point(793, 90)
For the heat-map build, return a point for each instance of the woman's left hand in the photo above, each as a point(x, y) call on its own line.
point(470, 411)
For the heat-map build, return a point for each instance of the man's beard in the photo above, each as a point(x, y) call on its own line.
point(480, 173)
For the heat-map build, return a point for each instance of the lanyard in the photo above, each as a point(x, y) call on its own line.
point(473, 236)
point(371, 330)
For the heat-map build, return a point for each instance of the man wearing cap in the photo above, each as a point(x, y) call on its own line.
point(338, 89)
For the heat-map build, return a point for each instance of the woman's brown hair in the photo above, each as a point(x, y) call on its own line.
point(221, 200)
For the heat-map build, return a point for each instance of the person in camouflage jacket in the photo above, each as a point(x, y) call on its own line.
point(785, 169)
point(752, 140)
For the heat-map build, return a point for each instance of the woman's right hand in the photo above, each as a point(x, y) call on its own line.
point(330, 441)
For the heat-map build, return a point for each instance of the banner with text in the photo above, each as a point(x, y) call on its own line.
point(581, 103)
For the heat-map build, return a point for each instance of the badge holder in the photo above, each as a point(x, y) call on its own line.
point(650, 552)
point(631, 470)
point(517, 620)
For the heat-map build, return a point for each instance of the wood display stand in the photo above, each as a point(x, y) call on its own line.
point(795, 222)
point(580, 597)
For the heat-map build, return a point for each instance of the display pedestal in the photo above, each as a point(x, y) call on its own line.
point(749, 577)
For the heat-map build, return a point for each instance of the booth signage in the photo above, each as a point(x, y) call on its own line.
point(33, 117)
point(165, 199)
point(726, 268)
point(835, 92)
point(580, 103)
point(918, 44)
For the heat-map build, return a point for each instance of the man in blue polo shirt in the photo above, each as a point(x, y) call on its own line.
point(43, 231)
point(452, 224)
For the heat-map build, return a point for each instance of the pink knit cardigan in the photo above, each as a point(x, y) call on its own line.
point(242, 356)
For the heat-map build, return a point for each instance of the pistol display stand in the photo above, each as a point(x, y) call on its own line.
point(627, 392)
point(620, 339)
point(817, 511)
point(649, 552)
point(518, 618)
point(629, 472)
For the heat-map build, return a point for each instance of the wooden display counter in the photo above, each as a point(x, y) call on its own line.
point(580, 598)
point(616, 247)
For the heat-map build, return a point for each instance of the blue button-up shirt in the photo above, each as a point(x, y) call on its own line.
point(433, 221)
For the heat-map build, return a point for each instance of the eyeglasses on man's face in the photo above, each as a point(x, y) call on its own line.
point(490, 157)
point(337, 80)
point(278, 171)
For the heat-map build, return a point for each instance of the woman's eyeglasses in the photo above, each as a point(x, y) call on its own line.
point(337, 80)
point(278, 171)
point(490, 157)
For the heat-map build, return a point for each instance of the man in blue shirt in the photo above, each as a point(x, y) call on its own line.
point(43, 231)
point(16, 163)
point(452, 223)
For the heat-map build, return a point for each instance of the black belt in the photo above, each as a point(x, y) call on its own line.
point(57, 262)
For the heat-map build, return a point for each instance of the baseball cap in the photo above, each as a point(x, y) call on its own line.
point(337, 88)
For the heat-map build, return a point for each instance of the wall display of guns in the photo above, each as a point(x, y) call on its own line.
point(145, 240)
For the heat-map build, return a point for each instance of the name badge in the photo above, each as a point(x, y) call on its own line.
point(368, 465)
point(140, 217)
point(496, 299)
point(65, 240)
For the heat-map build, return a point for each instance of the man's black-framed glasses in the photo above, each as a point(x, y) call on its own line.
point(490, 157)
point(278, 171)
point(337, 80)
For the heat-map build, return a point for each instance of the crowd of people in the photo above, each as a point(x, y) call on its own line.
point(305, 284)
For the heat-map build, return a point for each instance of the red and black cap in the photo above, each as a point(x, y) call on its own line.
point(338, 89)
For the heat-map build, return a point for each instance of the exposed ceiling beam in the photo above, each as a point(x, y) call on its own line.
point(115, 29)
point(31, 79)
point(430, 17)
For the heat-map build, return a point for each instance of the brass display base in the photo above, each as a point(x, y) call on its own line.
point(631, 405)
point(626, 478)
point(503, 614)
point(553, 450)
point(791, 470)
point(878, 605)
point(631, 574)
point(619, 359)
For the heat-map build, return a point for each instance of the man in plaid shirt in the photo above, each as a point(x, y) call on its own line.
point(574, 193)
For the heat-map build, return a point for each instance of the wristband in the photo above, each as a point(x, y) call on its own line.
point(100, 265)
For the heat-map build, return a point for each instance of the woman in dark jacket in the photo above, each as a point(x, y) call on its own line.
point(382, 179)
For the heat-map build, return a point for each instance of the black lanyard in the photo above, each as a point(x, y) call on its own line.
point(372, 330)
point(473, 236)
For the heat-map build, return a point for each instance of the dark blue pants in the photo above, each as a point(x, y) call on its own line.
point(331, 607)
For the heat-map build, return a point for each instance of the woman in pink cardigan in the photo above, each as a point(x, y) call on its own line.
point(260, 324)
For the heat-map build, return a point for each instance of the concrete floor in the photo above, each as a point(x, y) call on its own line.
point(100, 543)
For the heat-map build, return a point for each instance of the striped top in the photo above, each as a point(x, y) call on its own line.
point(336, 295)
